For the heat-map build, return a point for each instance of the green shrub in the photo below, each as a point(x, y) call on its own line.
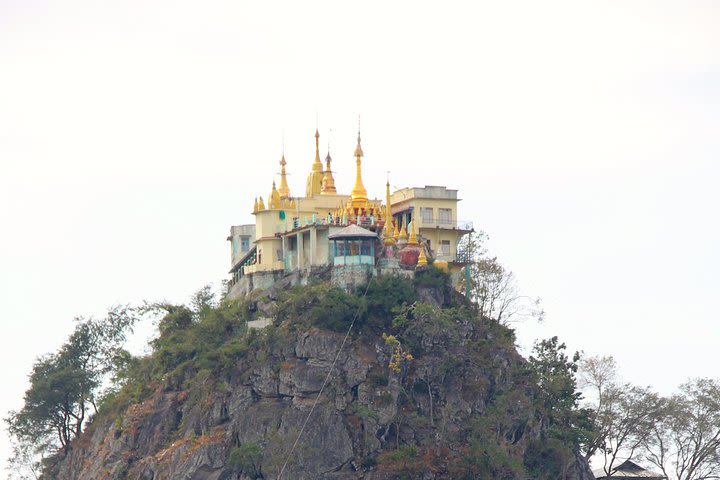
point(404, 461)
point(368, 462)
point(384, 295)
point(378, 378)
point(364, 412)
point(545, 459)
point(295, 304)
point(385, 399)
point(247, 458)
point(432, 277)
point(336, 310)
point(402, 453)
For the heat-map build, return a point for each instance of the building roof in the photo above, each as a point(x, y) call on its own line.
point(628, 469)
point(436, 192)
point(353, 231)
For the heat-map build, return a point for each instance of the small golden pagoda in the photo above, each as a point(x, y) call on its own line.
point(412, 240)
point(422, 259)
point(328, 182)
point(274, 197)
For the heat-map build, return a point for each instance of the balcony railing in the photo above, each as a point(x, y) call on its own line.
point(444, 223)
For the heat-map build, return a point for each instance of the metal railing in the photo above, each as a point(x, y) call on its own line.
point(445, 223)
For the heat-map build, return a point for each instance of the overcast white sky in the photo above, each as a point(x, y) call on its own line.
point(583, 137)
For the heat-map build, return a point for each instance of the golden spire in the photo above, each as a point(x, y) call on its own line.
point(261, 204)
point(317, 165)
point(422, 259)
point(255, 206)
point(358, 193)
point(396, 232)
point(328, 182)
point(274, 197)
point(314, 180)
point(388, 230)
point(403, 233)
point(413, 238)
point(284, 189)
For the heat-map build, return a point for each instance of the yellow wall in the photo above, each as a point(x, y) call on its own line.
point(435, 235)
point(435, 230)
point(268, 223)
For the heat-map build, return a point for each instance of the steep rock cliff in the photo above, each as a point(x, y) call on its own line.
point(459, 404)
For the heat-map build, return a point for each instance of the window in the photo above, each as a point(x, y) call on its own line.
point(427, 214)
point(354, 247)
point(244, 244)
point(445, 215)
point(365, 247)
point(444, 247)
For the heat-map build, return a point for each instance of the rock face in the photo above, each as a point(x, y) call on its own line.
point(370, 422)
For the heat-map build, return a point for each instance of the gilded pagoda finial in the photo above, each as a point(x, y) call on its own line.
point(422, 259)
point(388, 239)
point(413, 238)
point(274, 197)
point(358, 193)
point(315, 178)
point(284, 188)
point(328, 182)
point(317, 165)
point(403, 233)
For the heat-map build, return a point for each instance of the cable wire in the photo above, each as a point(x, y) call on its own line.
point(327, 377)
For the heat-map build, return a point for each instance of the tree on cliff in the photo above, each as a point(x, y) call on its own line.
point(64, 387)
point(559, 398)
point(680, 434)
point(567, 426)
point(492, 287)
point(685, 442)
point(622, 416)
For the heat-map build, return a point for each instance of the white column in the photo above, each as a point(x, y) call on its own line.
point(313, 245)
point(301, 250)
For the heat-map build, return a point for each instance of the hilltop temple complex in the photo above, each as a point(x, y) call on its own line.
point(351, 237)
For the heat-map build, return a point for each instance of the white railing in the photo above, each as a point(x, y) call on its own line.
point(444, 223)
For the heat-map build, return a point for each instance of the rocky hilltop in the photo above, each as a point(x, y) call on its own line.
point(422, 388)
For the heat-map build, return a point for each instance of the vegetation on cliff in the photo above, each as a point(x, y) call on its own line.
point(447, 397)
point(427, 384)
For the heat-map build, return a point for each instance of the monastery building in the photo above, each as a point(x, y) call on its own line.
point(350, 237)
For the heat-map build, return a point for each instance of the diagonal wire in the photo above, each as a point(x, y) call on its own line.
point(327, 378)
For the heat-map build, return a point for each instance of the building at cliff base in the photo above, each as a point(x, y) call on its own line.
point(351, 237)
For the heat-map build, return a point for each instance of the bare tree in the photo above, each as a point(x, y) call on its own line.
point(623, 415)
point(625, 421)
point(685, 442)
point(597, 374)
point(492, 287)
